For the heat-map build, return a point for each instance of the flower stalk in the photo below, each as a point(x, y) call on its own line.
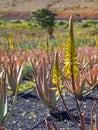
point(71, 67)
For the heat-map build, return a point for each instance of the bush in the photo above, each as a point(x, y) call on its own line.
point(61, 23)
point(89, 23)
point(28, 72)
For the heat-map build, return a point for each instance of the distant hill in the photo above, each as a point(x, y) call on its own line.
point(63, 8)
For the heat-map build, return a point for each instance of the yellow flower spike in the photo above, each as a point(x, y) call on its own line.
point(96, 40)
point(70, 59)
point(11, 44)
point(56, 77)
point(56, 74)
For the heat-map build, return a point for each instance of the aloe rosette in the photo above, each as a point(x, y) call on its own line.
point(42, 75)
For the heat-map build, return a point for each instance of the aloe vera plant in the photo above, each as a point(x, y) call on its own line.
point(71, 68)
point(79, 85)
point(4, 114)
point(42, 76)
point(13, 68)
point(70, 72)
point(57, 81)
point(74, 79)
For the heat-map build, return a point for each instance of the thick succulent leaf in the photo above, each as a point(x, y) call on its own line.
point(14, 73)
point(9, 114)
point(79, 85)
point(43, 82)
point(52, 98)
point(47, 100)
point(20, 74)
point(3, 100)
point(11, 82)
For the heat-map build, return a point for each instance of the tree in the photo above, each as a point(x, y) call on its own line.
point(46, 19)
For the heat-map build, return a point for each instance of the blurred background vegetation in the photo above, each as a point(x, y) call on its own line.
point(28, 34)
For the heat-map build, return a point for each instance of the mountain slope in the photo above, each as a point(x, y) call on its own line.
point(28, 5)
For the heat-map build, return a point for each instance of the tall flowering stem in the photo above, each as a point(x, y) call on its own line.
point(11, 44)
point(71, 67)
point(57, 81)
point(70, 59)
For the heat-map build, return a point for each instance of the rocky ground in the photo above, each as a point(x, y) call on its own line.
point(29, 113)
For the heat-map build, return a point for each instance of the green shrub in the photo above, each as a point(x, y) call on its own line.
point(28, 72)
point(61, 23)
point(85, 25)
point(89, 23)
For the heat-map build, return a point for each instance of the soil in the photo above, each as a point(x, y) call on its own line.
point(83, 9)
point(29, 113)
point(79, 14)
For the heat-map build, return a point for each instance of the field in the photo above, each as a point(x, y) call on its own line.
point(27, 34)
point(49, 83)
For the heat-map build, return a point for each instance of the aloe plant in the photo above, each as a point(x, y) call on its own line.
point(79, 85)
point(71, 68)
point(13, 68)
point(57, 81)
point(42, 76)
point(4, 114)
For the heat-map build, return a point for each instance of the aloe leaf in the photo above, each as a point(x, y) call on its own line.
point(14, 75)
point(8, 115)
point(43, 82)
point(3, 101)
point(11, 82)
point(20, 74)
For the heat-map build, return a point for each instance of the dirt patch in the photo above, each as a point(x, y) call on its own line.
point(15, 15)
point(15, 9)
point(82, 13)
